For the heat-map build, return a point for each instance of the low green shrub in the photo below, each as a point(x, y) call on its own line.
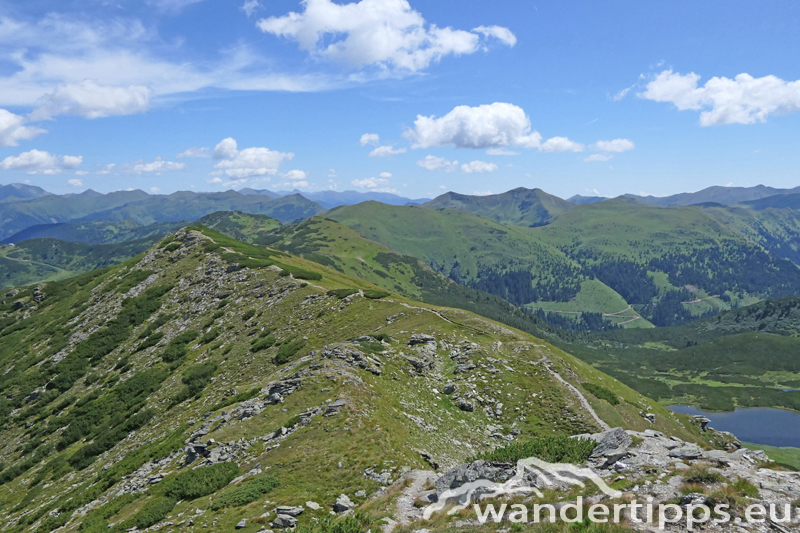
point(601, 393)
point(292, 422)
point(287, 350)
point(151, 513)
point(341, 293)
point(262, 344)
point(210, 336)
point(355, 523)
point(700, 476)
point(247, 315)
point(200, 482)
point(374, 294)
point(550, 448)
point(245, 494)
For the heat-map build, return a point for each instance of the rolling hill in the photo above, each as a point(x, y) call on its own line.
point(521, 206)
point(39, 260)
point(146, 209)
point(186, 386)
point(745, 357)
point(94, 232)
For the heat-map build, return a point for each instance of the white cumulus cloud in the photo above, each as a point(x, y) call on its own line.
point(478, 166)
point(385, 175)
point(75, 183)
point(250, 7)
point(741, 100)
point(158, 166)
point(617, 145)
point(241, 164)
point(39, 162)
point(369, 183)
point(90, 100)
point(195, 152)
point(387, 34)
point(498, 32)
point(296, 175)
point(486, 126)
point(560, 144)
point(369, 138)
point(386, 151)
point(13, 129)
point(431, 162)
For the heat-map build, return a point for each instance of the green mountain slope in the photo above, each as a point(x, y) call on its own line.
point(521, 206)
point(674, 262)
point(745, 357)
point(191, 384)
point(94, 232)
point(777, 230)
point(241, 226)
point(38, 260)
point(505, 260)
point(146, 209)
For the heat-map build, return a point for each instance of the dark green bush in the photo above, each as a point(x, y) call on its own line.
point(210, 336)
point(174, 352)
point(263, 344)
point(287, 350)
point(355, 523)
point(300, 273)
point(551, 448)
point(247, 315)
point(292, 422)
point(245, 494)
point(341, 293)
point(601, 393)
point(374, 294)
point(151, 513)
point(702, 476)
point(200, 482)
point(186, 337)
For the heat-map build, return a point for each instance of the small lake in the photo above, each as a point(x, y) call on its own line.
point(760, 425)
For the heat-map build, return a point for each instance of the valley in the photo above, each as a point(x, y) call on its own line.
point(407, 338)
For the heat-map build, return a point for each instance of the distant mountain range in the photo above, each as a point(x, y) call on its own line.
point(331, 199)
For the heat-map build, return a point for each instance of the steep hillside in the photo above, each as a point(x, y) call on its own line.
point(681, 259)
point(777, 230)
point(745, 357)
point(38, 260)
point(94, 232)
point(505, 260)
point(210, 380)
point(146, 209)
point(521, 206)
point(20, 191)
point(332, 244)
point(241, 226)
point(716, 194)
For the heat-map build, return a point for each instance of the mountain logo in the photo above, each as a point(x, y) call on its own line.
point(531, 475)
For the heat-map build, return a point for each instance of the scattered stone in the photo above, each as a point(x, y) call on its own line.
point(289, 510)
point(360, 494)
point(333, 408)
point(343, 504)
point(464, 405)
point(283, 521)
point(242, 524)
point(314, 506)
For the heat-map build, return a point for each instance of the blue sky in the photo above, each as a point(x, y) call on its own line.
point(414, 97)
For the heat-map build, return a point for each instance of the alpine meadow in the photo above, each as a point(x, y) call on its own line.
point(399, 266)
